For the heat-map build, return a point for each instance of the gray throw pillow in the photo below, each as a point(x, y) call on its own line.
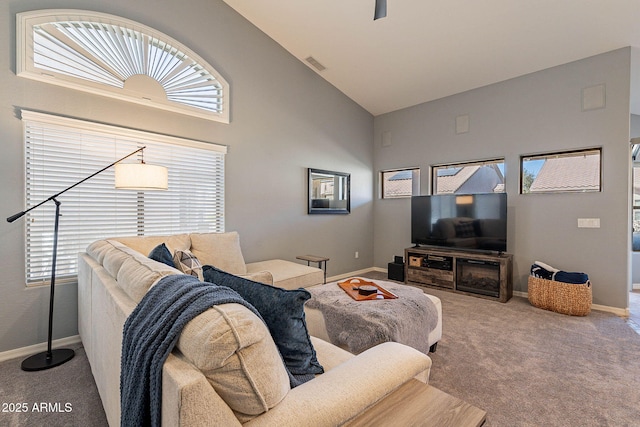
point(162, 254)
point(282, 311)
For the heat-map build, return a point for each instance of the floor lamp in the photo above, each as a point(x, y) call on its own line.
point(130, 176)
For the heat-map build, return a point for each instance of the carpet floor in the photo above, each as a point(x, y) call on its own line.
point(524, 366)
point(531, 367)
point(62, 396)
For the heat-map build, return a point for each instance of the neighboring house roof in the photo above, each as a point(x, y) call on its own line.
point(471, 179)
point(449, 183)
point(397, 188)
point(399, 184)
point(579, 173)
point(401, 175)
point(468, 179)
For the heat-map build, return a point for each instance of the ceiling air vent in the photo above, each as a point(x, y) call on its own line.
point(315, 64)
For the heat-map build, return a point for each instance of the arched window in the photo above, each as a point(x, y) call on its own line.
point(112, 56)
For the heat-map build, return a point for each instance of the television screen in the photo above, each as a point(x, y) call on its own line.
point(463, 221)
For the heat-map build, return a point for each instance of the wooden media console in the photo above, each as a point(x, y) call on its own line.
point(481, 274)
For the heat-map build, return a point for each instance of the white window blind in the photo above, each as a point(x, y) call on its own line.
point(116, 57)
point(60, 152)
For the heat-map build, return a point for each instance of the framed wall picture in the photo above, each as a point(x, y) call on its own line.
point(329, 192)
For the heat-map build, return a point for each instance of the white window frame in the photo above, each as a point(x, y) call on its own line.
point(61, 151)
point(112, 56)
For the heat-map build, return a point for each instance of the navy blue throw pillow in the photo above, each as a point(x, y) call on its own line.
point(162, 254)
point(282, 311)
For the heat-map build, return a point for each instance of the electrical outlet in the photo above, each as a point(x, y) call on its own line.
point(357, 255)
point(588, 222)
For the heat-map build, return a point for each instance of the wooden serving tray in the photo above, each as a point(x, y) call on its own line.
point(349, 285)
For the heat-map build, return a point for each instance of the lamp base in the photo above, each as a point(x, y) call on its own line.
point(46, 360)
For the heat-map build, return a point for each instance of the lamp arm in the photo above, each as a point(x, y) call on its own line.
point(20, 214)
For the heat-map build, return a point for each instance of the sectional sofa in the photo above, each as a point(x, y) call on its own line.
point(225, 368)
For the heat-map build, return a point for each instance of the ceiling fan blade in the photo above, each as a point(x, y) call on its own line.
point(381, 9)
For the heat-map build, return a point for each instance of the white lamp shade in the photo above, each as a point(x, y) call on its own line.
point(141, 176)
point(464, 200)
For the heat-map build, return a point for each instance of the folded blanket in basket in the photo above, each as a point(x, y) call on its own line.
point(571, 277)
point(541, 272)
point(546, 266)
point(544, 271)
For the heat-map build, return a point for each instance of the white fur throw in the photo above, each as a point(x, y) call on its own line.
point(359, 325)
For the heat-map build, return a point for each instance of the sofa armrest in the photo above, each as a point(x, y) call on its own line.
point(287, 274)
point(347, 390)
point(188, 399)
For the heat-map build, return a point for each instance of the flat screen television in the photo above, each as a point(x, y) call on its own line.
point(462, 221)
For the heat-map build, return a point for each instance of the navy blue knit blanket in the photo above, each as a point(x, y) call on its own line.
point(150, 334)
point(550, 273)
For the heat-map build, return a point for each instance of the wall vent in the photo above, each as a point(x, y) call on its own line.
point(315, 64)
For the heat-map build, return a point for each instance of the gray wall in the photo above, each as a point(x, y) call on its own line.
point(284, 119)
point(534, 113)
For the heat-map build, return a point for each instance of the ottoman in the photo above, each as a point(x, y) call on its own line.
point(413, 319)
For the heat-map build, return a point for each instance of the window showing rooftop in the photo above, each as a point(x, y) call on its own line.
point(561, 172)
point(399, 183)
point(486, 176)
point(447, 171)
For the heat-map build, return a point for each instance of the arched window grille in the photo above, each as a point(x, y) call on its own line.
point(112, 56)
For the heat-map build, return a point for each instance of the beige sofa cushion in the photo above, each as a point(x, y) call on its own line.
point(221, 250)
point(328, 354)
point(234, 350)
point(287, 274)
point(144, 244)
point(260, 276)
point(134, 272)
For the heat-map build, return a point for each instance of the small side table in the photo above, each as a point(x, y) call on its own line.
point(322, 262)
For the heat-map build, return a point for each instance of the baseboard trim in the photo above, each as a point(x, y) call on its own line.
point(38, 348)
point(635, 286)
point(621, 312)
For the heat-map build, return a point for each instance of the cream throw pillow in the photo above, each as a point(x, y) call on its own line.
point(234, 350)
point(144, 244)
point(221, 250)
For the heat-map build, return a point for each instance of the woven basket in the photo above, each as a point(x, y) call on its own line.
point(565, 298)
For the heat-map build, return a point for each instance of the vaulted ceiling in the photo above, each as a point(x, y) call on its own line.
point(428, 49)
